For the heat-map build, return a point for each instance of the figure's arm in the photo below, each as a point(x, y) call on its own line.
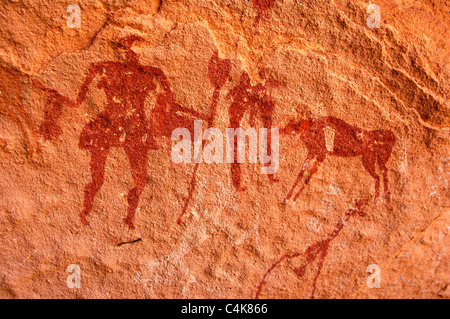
point(168, 94)
point(165, 84)
point(94, 69)
point(50, 128)
point(54, 96)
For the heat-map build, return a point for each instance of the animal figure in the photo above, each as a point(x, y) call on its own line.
point(374, 147)
point(318, 251)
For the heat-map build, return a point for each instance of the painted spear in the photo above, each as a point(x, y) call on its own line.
point(218, 72)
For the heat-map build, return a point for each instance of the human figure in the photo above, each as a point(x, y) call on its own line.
point(254, 100)
point(123, 123)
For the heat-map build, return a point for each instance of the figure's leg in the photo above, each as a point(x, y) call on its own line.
point(305, 167)
point(98, 161)
point(368, 161)
point(137, 156)
point(312, 171)
point(300, 271)
point(263, 281)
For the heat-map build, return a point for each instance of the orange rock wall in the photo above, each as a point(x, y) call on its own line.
point(87, 178)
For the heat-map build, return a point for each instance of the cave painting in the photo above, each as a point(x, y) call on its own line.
point(218, 72)
point(262, 7)
point(316, 252)
point(12, 107)
point(254, 100)
point(123, 123)
point(330, 136)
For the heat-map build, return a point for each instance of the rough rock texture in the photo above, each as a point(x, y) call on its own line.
point(86, 116)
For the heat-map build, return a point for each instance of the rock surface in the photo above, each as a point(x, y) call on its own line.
point(86, 116)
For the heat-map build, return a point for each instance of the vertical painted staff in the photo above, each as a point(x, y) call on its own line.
point(218, 72)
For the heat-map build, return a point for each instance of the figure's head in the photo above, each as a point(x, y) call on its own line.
point(125, 44)
point(218, 70)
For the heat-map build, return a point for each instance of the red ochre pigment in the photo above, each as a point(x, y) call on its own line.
point(317, 251)
point(375, 147)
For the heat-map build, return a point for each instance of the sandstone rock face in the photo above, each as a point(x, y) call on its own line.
point(358, 206)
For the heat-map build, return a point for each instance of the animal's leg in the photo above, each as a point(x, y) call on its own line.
point(319, 269)
point(383, 157)
point(138, 162)
point(385, 145)
point(368, 161)
point(305, 166)
point(258, 17)
point(98, 161)
point(312, 171)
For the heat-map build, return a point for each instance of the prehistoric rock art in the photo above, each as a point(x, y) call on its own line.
point(50, 129)
point(122, 124)
point(108, 95)
point(317, 251)
point(218, 72)
point(256, 101)
point(375, 147)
